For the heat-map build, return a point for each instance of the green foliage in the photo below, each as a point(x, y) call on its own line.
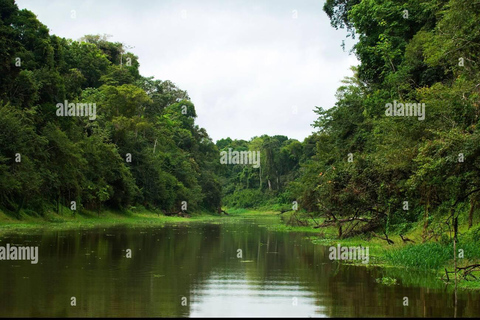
point(361, 163)
point(387, 281)
point(247, 198)
point(66, 159)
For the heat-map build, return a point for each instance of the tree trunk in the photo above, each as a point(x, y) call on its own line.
point(278, 180)
point(455, 228)
point(20, 206)
point(470, 213)
point(425, 217)
point(260, 177)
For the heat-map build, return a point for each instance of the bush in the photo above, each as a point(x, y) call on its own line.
point(246, 198)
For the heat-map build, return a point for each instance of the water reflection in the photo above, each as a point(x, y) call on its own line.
point(237, 295)
point(279, 274)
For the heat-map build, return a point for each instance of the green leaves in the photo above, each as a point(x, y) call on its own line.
point(411, 51)
point(142, 147)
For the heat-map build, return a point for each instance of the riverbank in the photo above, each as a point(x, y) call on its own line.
point(414, 255)
point(89, 219)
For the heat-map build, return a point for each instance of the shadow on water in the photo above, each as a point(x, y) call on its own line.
point(197, 269)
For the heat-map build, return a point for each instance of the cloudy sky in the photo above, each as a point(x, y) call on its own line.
point(251, 67)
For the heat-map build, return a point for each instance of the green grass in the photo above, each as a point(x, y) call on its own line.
point(430, 256)
point(249, 212)
point(88, 219)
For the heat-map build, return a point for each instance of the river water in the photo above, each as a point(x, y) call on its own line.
point(236, 268)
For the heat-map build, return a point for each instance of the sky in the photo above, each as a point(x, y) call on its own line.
point(250, 67)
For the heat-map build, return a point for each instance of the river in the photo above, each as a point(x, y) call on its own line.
point(236, 268)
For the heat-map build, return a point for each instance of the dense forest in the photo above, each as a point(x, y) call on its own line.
point(399, 169)
point(142, 147)
point(365, 162)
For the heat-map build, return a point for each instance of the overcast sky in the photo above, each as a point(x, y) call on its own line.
point(251, 67)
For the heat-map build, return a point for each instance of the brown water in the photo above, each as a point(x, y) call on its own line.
point(194, 270)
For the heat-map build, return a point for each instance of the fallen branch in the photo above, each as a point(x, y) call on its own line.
point(405, 239)
point(386, 238)
point(467, 271)
point(328, 223)
point(294, 219)
point(311, 217)
point(348, 232)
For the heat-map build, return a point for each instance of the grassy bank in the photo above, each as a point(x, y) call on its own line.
point(88, 219)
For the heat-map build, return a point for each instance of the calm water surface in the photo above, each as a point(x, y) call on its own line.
point(279, 275)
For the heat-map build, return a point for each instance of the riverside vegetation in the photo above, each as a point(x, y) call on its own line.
point(405, 186)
